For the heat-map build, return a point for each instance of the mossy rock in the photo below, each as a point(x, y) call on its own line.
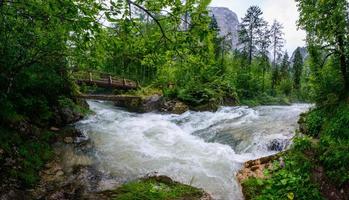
point(156, 188)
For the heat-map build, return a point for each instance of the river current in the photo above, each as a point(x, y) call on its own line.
point(204, 149)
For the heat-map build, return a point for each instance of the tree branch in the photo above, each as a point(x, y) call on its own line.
point(325, 59)
point(153, 17)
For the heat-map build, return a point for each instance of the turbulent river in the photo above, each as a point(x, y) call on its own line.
point(204, 149)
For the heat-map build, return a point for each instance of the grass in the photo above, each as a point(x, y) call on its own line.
point(155, 189)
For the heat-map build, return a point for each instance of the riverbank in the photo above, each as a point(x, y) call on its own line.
point(26, 145)
point(150, 99)
point(317, 161)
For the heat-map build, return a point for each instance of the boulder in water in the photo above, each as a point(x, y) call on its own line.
point(278, 144)
point(174, 106)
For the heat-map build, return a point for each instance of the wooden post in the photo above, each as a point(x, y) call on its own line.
point(110, 80)
point(90, 77)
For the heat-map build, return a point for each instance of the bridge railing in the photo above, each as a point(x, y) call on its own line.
point(103, 79)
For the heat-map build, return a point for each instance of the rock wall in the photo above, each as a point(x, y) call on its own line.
point(228, 24)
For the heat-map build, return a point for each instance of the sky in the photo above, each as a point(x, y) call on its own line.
point(284, 11)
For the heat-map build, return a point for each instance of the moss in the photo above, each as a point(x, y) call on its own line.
point(144, 92)
point(155, 189)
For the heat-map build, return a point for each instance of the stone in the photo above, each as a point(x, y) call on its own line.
point(179, 108)
point(54, 128)
point(277, 145)
point(68, 140)
point(174, 106)
point(59, 173)
point(255, 167)
point(151, 103)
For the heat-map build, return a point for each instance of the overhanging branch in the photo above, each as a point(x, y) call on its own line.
point(153, 17)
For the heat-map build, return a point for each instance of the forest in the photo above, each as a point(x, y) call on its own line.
point(174, 49)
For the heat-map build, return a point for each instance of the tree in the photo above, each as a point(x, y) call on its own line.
point(277, 41)
point(326, 24)
point(297, 69)
point(250, 26)
point(214, 24)
point(285, 66)
point(263, 44)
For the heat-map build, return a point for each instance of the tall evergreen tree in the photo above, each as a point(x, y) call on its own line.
point(214, 24)
point(263, 44)
point(297, 69)
point(285, 66)
point(277, 41)
point(250, 26)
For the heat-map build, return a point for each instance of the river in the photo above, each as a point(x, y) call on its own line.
point(204, 149)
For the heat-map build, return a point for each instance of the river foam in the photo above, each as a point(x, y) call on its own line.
point(204, 149)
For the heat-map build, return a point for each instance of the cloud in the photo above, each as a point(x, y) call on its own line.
point(284, 11)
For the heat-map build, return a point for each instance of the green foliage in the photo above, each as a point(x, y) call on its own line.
point(151, 189)
point(302, 143)
point(326, 38)
point(335, 159)
point(336, 124)
point(331, 125)
point(297, 68)
point(30, 156)
point(35, 41)
point(314, 121)
point(285, 87)
point(327, 84)
point(291, 182)
point(250, 27)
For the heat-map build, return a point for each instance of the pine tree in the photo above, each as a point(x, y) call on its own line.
point(277, 41)
point(214, 24)
point(250, 26)
point(297, 69)
point(263, 45)
point(285, 66)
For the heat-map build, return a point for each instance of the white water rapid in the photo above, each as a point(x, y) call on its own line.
point(204, 149)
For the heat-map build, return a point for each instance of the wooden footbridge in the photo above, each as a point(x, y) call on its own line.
point(105, 81)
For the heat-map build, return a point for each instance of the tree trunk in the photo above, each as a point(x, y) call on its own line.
point(343, 62)
point(250, 45)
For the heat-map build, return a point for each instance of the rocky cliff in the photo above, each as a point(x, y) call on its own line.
point(304, 53)
point(228, 24)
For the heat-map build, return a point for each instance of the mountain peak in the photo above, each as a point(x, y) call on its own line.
point(228, 24)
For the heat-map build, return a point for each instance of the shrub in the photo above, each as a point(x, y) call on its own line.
point(291, 182)
point(335, 159)
point(314, 121)
point(302, 143)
